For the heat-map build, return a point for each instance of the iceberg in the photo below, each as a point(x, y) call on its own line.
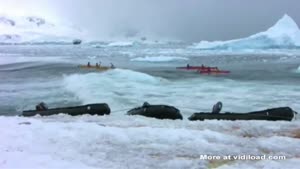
point(285, 34)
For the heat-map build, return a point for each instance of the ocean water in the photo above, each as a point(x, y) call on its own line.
point(261, 79)
point(265, 73)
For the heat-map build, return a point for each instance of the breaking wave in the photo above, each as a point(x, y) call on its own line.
point(115, 87)
point(121, 44)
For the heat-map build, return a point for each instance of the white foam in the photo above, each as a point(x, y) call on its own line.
point(158, 58)
point(126, 89)
point(298, 70)
point(117, 87)
point(121, 44)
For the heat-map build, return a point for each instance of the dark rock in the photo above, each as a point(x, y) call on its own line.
point(36, 20)
point(7, 21)
point(25, 123)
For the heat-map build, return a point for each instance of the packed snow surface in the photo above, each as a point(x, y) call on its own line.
point(115, 141)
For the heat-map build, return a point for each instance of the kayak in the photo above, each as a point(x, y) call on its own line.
point(195, 68)
point(156, 111)
point(274, 114)
point(92, 109)
point(214, 71)
point(100, 68)
point(205, 69)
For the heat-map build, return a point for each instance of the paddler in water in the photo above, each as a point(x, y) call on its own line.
point(89, 64)
point(188, 65)
point(112, 66)
point(217, 108)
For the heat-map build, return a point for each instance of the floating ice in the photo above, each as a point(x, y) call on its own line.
point(158, 58)
point(284, 34)
point(120, 44)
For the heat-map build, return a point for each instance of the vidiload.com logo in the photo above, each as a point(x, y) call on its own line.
point(242, 157)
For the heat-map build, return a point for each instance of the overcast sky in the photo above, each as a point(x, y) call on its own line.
point(191, 20)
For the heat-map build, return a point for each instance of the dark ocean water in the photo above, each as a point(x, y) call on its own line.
point(50, 73)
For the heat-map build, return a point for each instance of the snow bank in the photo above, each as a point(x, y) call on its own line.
point(137, 142)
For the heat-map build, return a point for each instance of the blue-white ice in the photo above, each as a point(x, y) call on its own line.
point(285, 34)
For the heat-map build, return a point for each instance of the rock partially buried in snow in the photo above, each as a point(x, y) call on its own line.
point(7, 21)
point(36, 20)
point(25, 123)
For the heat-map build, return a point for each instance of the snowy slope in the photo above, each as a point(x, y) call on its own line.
point(32, 29)
point(284, 34)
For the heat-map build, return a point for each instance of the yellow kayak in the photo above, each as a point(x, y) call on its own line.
point(100, 68)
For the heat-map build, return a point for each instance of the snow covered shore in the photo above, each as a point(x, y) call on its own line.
point(136, 142)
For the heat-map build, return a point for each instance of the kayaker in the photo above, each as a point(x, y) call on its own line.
point(112, 66)
point(89, 64)
point(217, 108)
point(97, 65)
point(41, 106)
point(146, 104)
point(188, 65)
